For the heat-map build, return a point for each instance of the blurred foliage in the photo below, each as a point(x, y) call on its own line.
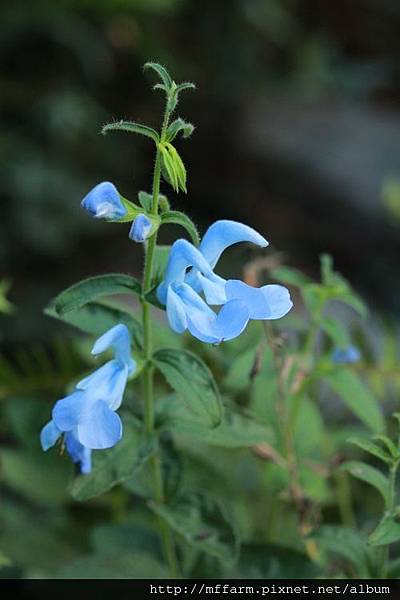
point(256, 521)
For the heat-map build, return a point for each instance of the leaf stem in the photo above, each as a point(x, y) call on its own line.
point(148, 371)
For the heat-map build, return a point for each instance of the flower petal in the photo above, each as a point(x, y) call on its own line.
point(119, 339)
point(232, 320)
point(223, 234)
point(100, 427)
point(140, 229)
point(106, 383)
point(104, 202)
point(176, 312)
point(214, 291)
point(49, 435)
point(66, 412)
point(182, 256)
point(78, 452)
point(268, 302)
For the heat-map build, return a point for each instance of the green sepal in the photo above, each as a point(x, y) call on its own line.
point(174, 166)
point(132, 127)
point(133, 210)
point(179, 218)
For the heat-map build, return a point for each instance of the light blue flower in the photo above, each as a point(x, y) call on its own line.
point(348, 355)
point(104, 202)
point(190, 273)
point(140, 229)
point(87, 416)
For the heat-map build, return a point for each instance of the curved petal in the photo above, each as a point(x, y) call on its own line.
point(104, 202)
point(268, 302)
point(176, 312)
point(106, 383)
point(223, 234)
point(100, 427)
point(140, 229)
point(200, 318)
point(232, 320)
point(66, 412)
point(49, 435)
point(119, 339)
point(348, 355)
point(214, 291)
point(182, 256)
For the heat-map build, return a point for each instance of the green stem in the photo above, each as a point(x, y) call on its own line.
point(148, 372)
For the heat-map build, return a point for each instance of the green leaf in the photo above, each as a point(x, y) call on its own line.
point(145, 200)
point(236, 431)
point(387, 532)
point(179, 125)
point(393, 451)
point(116, 464)
point(369, 475)
point(90, 289)
point(161, 72)
point(95, 318)
point(169, 168)
point(336, 331)
point(187, 85)
point(357, 397)
point(179, 218)
point(290, 276)
point(202, 523)
point(114, 565)
point(371, 448)
point(346, 543)
point(190, 377)
point(132, 127)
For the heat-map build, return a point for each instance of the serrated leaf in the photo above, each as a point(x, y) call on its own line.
point(97, 317)
point(236, 430)
point(90, 289)
point(193, 381)
point(202, 523)
point(115, 465)
point(132, 127)
point(371, 448)
point(357, 397)
point(179, 218)
point(336, 331)
point(369, 475)
point(161, 72)
point(387, 532)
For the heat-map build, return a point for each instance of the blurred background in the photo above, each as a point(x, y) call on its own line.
point(297, 115)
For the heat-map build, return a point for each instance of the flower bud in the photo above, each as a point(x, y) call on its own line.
point(140, 229)
point(104, 202)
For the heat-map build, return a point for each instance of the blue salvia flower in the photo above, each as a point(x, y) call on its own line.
point(87, 417)
point(140, 229)
point(104, 202)
point(349, 355)
point(180, 290)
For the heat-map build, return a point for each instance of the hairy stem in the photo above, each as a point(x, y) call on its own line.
point(389, 508)
point(148, 372)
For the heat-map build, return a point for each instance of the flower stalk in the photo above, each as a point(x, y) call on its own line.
point(148, 371)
